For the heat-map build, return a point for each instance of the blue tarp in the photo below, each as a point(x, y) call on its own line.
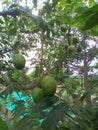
point(9, 101)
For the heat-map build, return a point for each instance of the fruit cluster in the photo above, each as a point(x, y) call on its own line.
point(48, 89)
point(47, 85)
point(74, 46)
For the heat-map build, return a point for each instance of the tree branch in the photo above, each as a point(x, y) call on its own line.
point(14, 12)
point(93, 55)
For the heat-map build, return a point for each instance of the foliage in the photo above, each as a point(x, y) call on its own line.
point(59, 37)
point(83, 118)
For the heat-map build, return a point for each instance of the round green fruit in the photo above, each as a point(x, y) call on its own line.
point(49, 86)
point(75, 39)
point(79, 48)
point(19, 61)
point(37, 94)
point(71, 48)
point(63, 28)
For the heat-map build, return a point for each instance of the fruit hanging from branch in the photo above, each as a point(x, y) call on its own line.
point(18, 61)
point(48, 86)
point(75, 39)
point(71, 50)
point(79, 48)
point(37, 94)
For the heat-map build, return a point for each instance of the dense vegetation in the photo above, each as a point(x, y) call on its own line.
point(51, 58)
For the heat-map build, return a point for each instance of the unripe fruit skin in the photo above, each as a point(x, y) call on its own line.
point(37, 94)
point(49, 86)
point(63, 28)
point(79, 48)
point(71, 48)
point(19, 61)
point(75, 39)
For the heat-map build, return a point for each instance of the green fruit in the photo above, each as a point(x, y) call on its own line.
point(63, 28)
point(75, 39)
point(18, 61)
point(37, 94)
point(48, 86)
point(79, 48)
point(71, 48)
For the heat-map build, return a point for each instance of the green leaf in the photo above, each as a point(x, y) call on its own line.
point(81, 10)
point(84, 17)
point(16, 44)
point(54, 117)
point(91, 22)
point(88, 93)
point(95, 118)
point(43, 104)
point(20, 109)
point(91, 2)
point(3, 125)
point(25, 123)
point(90, 11)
